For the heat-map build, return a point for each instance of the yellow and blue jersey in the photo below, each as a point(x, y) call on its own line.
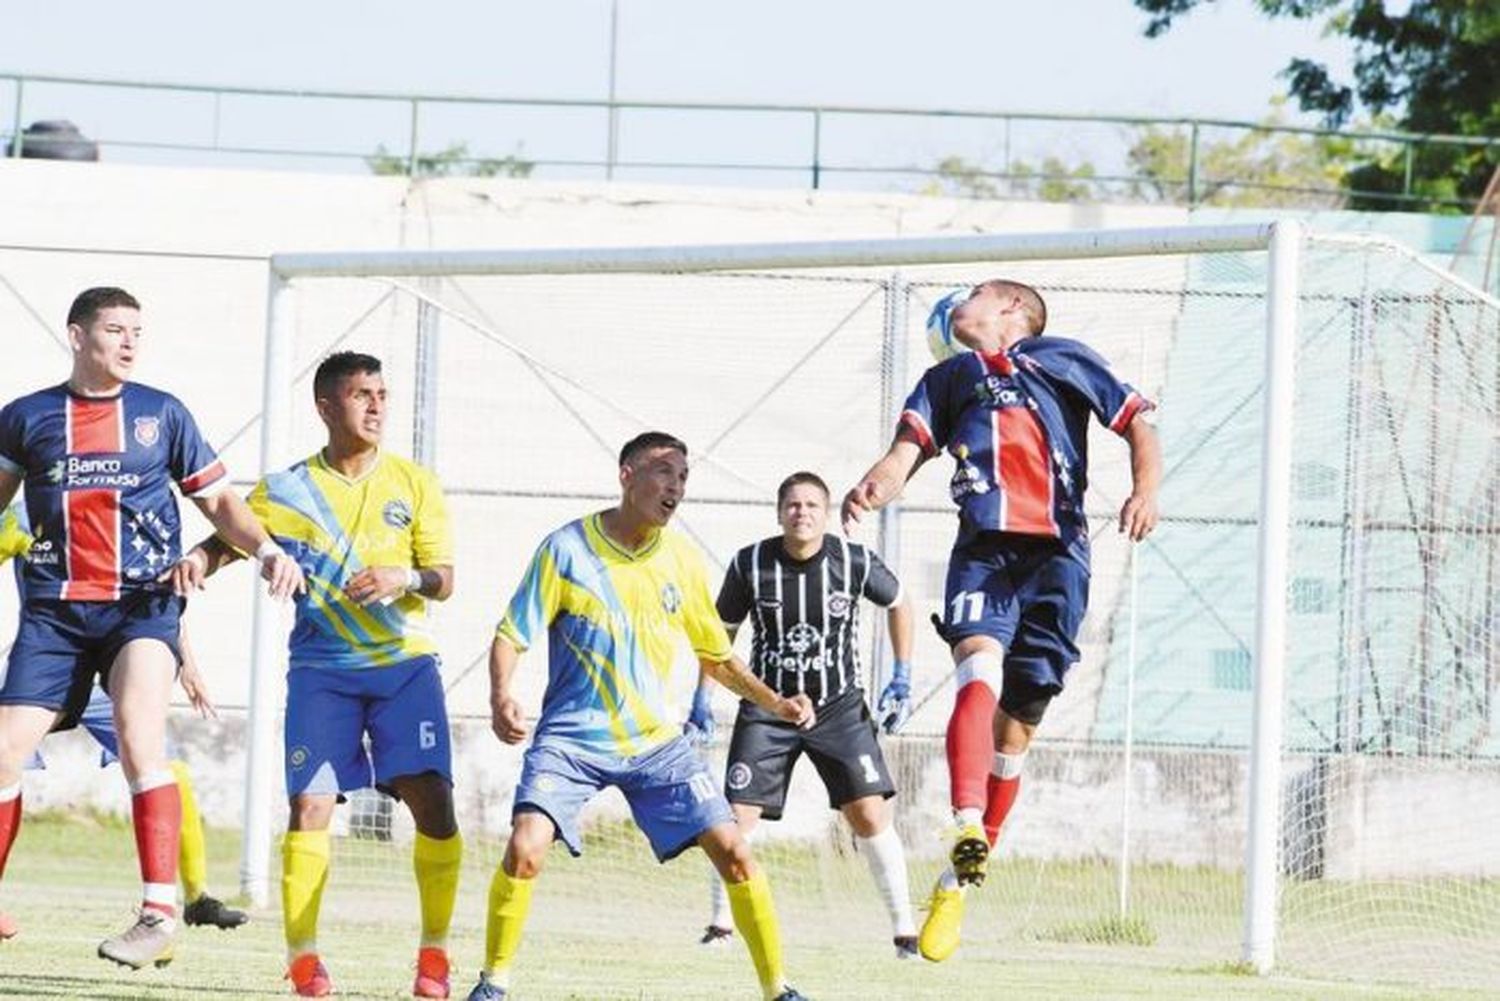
point(614, 621)
point(334, 526)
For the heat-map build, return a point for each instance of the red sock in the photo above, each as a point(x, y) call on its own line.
point(971, 744)
point(1002, 796)
point(10, 825)
point(157, 813)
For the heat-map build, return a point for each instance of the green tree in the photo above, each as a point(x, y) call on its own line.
point(1258, 167)
point(1435, 68)
point(1053, 181)
point(452, 161)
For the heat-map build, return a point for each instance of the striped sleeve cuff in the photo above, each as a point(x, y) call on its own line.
point(205, 482)
point(1134, 404)
point(913, 422)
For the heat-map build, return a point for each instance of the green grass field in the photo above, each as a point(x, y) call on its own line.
point(615, 926)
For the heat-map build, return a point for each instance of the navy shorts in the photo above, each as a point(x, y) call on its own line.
point(329, 711)
point(1027, 592)
point(672, 795)
point(61, 646)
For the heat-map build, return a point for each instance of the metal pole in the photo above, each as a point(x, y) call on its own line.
point(612, 141)
point(1192, 191)
point(1410, 153)
point(893, 389)
point(1262, 864)
point(817, 164)
point(411, 150)
point(1129, 755)
point(15, 137)
point(268, 631)
point(425, 393)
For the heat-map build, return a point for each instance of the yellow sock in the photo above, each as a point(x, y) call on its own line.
point(510, 900)
point(436, 864)
point(192, 856)
point(755, 918)
point(304, 871)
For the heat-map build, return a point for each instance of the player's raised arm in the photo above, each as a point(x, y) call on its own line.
point(735, 676)
point(883, 483)
point(1138, 514)
point(237, 525)
point(507, 718)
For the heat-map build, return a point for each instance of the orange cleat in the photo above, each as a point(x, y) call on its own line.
point(309, 977)
point(432, 974)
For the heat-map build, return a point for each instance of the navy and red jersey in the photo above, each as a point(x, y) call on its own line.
point(96, 471)
point(1016, 423)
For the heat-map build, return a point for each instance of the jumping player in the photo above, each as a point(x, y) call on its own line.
point(1014, 414)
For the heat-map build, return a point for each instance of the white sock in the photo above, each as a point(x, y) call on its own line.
point(969, 815)
point(887, 861)
point(719, 914)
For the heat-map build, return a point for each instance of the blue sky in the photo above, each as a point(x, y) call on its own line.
point(1041, 55)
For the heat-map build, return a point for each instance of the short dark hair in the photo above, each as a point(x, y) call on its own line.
point(91, 300)
point(796, 480)
point(650, 439)
point(1031, 299)
point(339, 365)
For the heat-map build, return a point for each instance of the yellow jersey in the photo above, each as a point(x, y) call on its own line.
point(334, 526)
point(614, 620)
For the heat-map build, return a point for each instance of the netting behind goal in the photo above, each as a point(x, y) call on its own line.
point(1131, 831)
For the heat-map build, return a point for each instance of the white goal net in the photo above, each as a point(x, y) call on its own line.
point(1131, 830)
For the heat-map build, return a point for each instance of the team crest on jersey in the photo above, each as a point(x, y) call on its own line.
point(738, 776)
point(397, 513)
point(671, 598)
point(147, 431)
point(838, 605)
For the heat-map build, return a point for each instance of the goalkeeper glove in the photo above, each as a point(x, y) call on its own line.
point(699, 727)
point(895, 702)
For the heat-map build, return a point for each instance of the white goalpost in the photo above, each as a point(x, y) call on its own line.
point(1310, 617)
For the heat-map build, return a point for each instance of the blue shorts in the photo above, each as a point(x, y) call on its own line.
point(329, 711)
point(1028, 593)
point(672, 795)
point(62, 645)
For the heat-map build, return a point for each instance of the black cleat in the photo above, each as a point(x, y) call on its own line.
point(714, 935)
point(211, 911)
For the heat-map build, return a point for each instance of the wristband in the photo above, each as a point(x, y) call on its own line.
point(268, 549)
point(413, 580)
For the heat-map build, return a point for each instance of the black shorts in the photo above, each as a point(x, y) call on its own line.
point(842, 746)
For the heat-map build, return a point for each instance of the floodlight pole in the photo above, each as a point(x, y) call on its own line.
point(268, 634)
point(1263, 854)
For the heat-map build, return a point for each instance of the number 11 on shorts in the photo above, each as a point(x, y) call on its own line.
point(966, 606)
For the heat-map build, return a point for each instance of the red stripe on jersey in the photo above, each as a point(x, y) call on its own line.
point(999, 363)
point(92, 518)
point(1023, 469)
point(205, 477)
point(95, 426)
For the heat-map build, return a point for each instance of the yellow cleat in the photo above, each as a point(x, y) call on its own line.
point(970, 855)
point(945, 916)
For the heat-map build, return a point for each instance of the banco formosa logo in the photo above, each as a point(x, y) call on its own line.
point(58, 471)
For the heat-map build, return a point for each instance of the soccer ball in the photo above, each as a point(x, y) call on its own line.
point(940, 340)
